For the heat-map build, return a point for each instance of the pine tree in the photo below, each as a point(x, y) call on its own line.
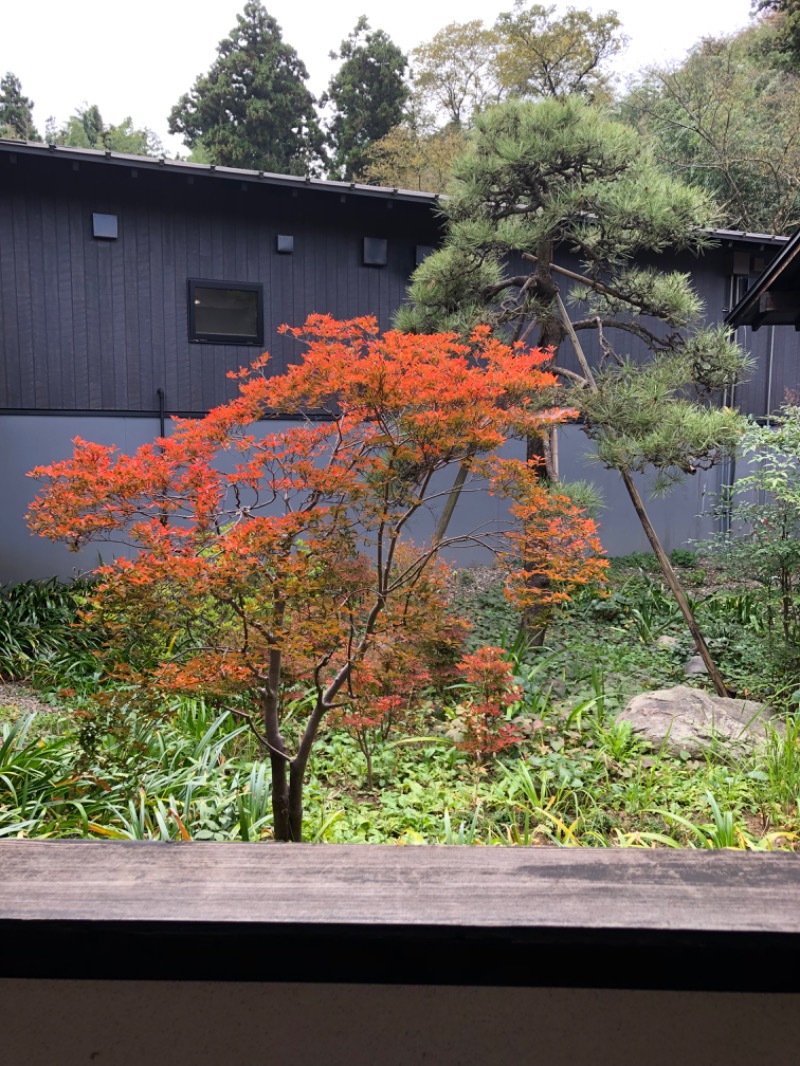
point(554, 177)
point(252, 109)
point(16, 111)
point(367, 94)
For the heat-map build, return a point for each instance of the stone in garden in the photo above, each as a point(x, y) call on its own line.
point(694, 666)
point(666, 641)
point(686, 719)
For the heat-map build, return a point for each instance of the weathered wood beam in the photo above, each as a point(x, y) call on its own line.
point(525, 916)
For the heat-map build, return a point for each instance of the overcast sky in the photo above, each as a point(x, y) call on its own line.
point(138, 58)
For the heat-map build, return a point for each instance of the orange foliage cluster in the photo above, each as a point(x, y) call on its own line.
point(490, 676)
point(268, 561)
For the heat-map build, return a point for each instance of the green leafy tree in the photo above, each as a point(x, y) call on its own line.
point(728, 121)
point(125, 137)
point(415, 156)
point(454, 74)
point(762, 541)
point(541, 55)
point(86, 129)
point(544, 179)
point(784, 19)
point(16, 111)
point(252, 109)
point(367, 94)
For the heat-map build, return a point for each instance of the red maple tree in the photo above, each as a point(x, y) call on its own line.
point(269, 563)
point(489, 676)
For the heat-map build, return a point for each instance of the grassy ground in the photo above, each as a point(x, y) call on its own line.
point(580, 777)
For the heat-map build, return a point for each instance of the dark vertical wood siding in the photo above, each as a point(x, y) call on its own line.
point(102, 325)
point(99, 325)
point(9, 319)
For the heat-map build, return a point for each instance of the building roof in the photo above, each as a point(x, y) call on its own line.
point(774, 297)
point(744, 235)
point(211, 170)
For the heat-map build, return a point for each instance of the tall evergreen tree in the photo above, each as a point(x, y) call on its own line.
point(252, 109)
point(16, 111)
point(367, 93)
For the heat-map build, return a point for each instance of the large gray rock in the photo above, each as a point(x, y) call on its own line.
point(686, 719)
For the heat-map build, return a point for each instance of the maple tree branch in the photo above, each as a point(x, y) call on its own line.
point(262, 740)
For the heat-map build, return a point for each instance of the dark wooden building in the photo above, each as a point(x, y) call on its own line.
point(773, 298)
point(103, 260)
point(130, 286)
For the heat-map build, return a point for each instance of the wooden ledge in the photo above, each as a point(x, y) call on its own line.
point(514, 916)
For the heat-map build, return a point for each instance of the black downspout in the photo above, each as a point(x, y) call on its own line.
point(162, 417)
point(162, 425)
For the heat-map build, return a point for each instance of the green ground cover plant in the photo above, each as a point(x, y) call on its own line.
point(576, 776)
point(41, 637)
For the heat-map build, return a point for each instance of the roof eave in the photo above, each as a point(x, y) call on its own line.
point(211, 170)
point(747, 311)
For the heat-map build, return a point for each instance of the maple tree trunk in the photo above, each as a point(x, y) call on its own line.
point(287, 799)
point(297, 773)
point(281, 819)
point(299, 764)
point(370, 775)
point(282, 769)
point(287, 792)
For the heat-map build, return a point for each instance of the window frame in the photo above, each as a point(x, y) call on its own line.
point(202, 337)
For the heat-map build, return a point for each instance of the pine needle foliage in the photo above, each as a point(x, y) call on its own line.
point(545, 180)
point(639, 421)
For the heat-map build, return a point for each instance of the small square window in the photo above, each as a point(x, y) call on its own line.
point(105, 227)
point(376, 251)
point(225, 312)
point(285, 244)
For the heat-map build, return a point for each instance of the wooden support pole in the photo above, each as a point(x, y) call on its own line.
point(667, 569)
